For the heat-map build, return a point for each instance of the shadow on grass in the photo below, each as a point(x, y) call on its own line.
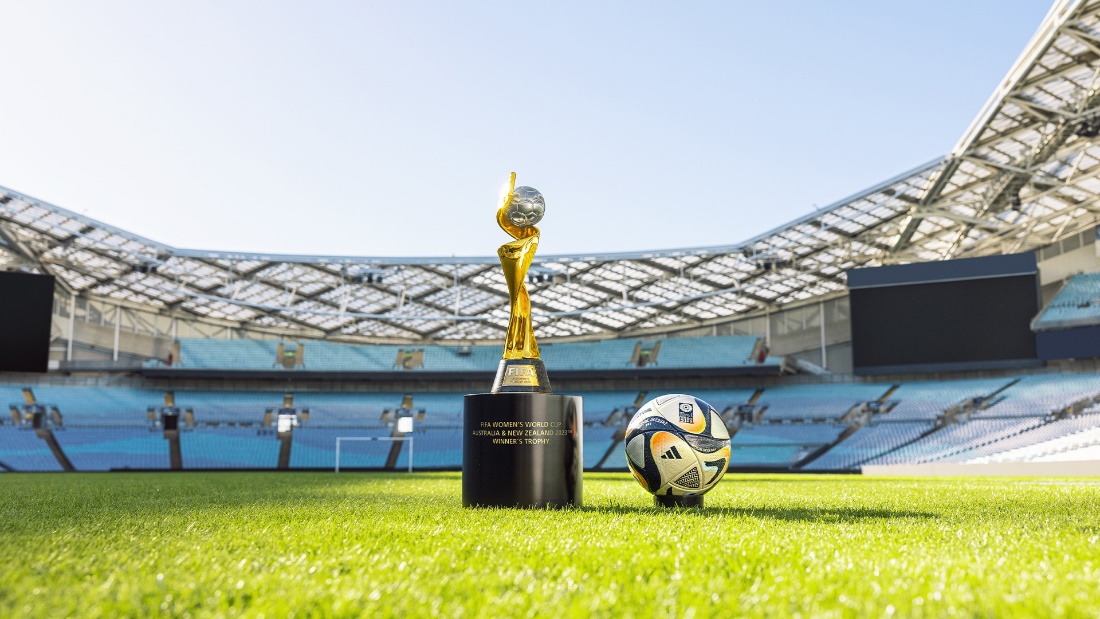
point(790, 514)
point(773, 477)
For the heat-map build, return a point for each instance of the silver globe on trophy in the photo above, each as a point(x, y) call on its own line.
point(526, 207)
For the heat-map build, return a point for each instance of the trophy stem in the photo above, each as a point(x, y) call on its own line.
point(521, 376)
point(515, 259)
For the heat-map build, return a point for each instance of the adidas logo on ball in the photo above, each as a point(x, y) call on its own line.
point(672, 454)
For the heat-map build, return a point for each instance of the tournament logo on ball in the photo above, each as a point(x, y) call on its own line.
point(685, 412)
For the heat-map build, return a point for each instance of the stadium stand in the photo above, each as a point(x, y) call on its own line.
point(1031, 410)
point(824, 401)
point(228, 448)
point(123, 299)
point(1077, 304)
point(866, 443)
point(928, 401)
point(780, 445)
point(1066, 439)
point(812, 427)
point(941, 444)
point(316, 448)
point(1044, 395)
point(21, 450)
point(107, 448)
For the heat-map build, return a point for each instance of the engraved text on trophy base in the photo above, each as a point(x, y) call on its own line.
point(520, 432)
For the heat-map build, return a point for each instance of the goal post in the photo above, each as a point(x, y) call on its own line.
point(409, 439)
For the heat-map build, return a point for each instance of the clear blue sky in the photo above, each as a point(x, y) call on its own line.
point(374, 128)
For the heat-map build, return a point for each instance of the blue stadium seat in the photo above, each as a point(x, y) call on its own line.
point(1076, 304)
point(868, 442)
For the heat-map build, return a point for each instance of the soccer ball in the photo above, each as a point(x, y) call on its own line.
point(526, 207)
point(677, 444)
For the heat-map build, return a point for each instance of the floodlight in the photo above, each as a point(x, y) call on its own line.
point(286, 423)
point(405, 424)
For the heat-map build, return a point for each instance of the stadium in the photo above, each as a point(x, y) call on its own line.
point(909, 378)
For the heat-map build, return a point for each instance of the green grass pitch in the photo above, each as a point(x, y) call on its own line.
point(358, 544)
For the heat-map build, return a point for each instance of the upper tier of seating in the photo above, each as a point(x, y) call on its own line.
point(1042, 394)
point(265, 355)
point(1077, 304)
point(867, 442)
point(946, 443)
point(927, 401)
point(1077, 438)
point(826, 401)
point(1047, 439)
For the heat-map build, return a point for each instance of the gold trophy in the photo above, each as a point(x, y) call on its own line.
point(522, 446)
point(521, 370)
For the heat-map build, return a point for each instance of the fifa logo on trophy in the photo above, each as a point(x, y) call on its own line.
point(520, 376)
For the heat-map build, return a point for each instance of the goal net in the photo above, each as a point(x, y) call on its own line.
point(343, 443)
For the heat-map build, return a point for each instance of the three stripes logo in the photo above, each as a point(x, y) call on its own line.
point(672, 454)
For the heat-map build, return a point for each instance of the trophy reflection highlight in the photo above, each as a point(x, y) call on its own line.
point(521, 369)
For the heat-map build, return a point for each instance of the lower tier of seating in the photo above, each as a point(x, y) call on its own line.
point(866, 443)
point(21, 450)
point(777, 447)
point(1070, 439)
point(107, 449)
point(812, 427)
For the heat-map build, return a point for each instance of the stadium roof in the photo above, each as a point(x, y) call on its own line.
point(1023, 175)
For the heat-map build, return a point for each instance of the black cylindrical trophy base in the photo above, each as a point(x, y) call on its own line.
point(522, 450)
point(671, 500)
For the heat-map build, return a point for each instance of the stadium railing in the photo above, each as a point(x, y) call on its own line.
point(608, 355)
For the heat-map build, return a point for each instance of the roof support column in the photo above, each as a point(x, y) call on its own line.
point(118, 327)
point(767, 326)
point(72, 327)
point(821, 320)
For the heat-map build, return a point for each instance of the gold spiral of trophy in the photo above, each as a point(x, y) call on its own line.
point(515, 258)
point(521, 368)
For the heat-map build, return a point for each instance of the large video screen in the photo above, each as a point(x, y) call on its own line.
point(980, 320)
point(26, 309)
